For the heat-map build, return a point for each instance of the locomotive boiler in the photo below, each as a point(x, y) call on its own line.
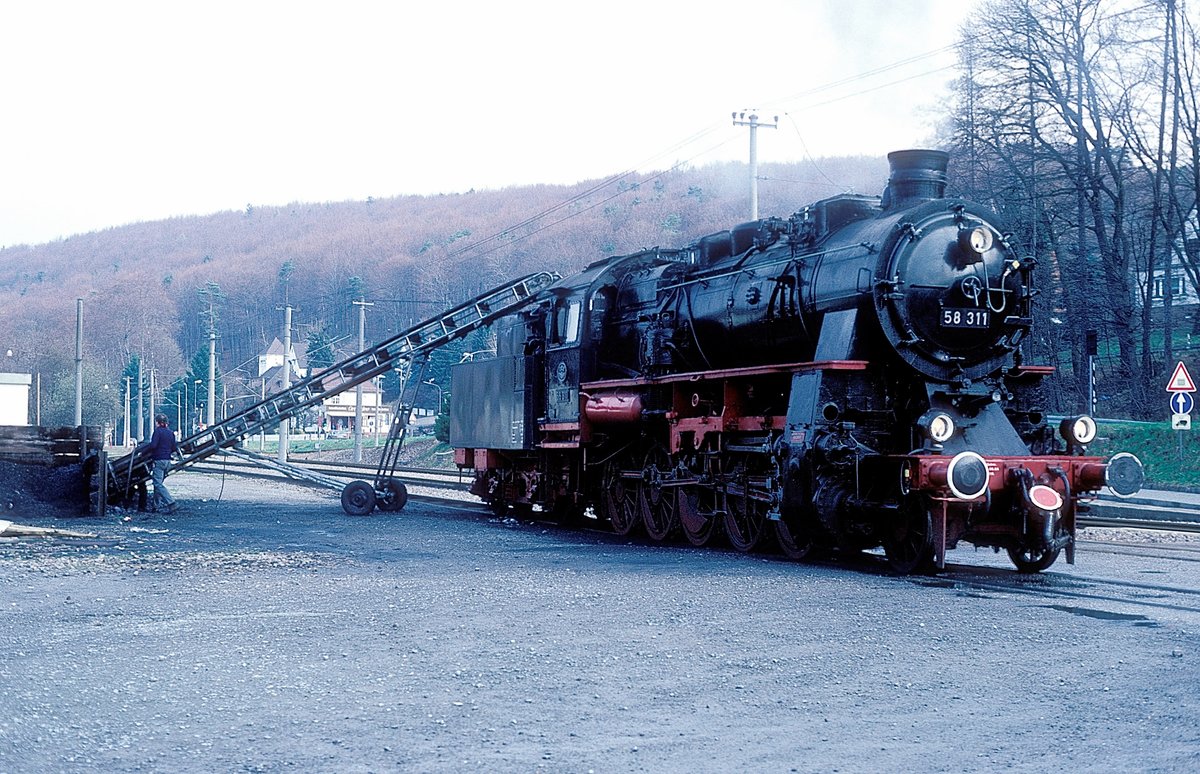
point(847, 377)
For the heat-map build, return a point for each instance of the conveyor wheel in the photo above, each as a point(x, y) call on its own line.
point(358, 498)
point(395, 496)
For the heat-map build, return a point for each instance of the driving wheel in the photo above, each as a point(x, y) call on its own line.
point(794, 543)
point(1031, 560)
point(697, 507)
point(745, 517)
point(908, 539)
point(619, 497)
point(656, 502)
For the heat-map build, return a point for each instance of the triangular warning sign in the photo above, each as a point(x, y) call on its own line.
point(1181, 380)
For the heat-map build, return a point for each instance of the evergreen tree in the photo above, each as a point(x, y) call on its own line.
point(319, 347)
point(188, 394)
point(285, 278)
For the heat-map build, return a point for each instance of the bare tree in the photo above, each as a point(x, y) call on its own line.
point(1058, 110)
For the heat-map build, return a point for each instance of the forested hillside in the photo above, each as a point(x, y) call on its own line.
point(146, 286)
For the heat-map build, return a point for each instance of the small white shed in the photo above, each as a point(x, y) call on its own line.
point(14, 398)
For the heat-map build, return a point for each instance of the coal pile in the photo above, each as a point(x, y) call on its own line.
point(35, 490)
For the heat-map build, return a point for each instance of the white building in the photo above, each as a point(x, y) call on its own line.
point(336, 413)
point(1182, 292)
point(14, 398)
point(340, 409)
point(270, 363)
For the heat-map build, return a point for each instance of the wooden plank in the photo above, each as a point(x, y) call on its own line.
point(45, 459)
point(8, 529)
point(20, 445)
point(48, 446)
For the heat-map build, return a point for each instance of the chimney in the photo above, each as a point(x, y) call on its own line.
point(916, 176)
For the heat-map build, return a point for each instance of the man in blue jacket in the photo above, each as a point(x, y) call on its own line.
point(161, 448)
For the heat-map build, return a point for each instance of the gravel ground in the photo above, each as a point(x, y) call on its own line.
point(260, 629)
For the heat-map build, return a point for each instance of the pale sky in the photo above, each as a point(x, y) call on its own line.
point(119, 111)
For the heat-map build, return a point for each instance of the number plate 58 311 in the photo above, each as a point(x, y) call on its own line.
point(953, 317)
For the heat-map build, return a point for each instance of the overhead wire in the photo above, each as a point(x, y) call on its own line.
point(866, 74)
point(607, 199)
point(507, 233)
point(616, 178)
point(586, 193)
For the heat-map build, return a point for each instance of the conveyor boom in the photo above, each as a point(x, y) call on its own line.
point(134, 468)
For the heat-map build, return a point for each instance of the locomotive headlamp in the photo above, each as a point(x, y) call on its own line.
point(1080, 429)
point(937, 426)
point(977, 240)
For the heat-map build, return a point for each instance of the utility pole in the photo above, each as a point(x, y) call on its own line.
point(152, 406)
point(362, 305)
point(127, 386)
point(287, 378)
point(78, 362)
point(212, 362)
point(140, 406)
point(262, 437)
point(741, 119)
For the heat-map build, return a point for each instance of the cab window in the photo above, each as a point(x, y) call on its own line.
point(565, 325)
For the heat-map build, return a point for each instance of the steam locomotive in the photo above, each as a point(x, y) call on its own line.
point(845, 378)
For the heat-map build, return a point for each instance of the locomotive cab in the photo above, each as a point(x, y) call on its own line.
point(564, 338)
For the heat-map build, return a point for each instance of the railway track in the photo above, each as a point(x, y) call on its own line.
point(348, 471)
point(1179, 519)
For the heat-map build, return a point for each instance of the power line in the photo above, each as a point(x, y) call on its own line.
point(866, 74)
point(608, 198)
point(696, 137)
point(582, 195)
point(861, 92)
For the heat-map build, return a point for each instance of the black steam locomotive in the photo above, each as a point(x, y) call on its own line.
point(847, 377)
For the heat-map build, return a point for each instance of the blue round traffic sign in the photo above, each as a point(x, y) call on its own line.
point(1182, 403)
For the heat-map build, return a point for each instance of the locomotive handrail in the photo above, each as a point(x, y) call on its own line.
point(732, 373)
point(720, 273)
point(351, 372)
